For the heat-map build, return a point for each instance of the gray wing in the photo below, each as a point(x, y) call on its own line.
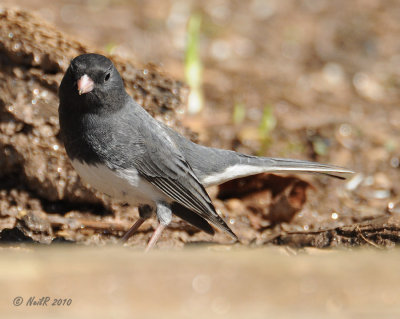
point(163, 165)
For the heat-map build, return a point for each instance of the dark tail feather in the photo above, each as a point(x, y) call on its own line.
point(192, 218)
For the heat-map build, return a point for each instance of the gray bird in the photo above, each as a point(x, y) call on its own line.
point(122, 151)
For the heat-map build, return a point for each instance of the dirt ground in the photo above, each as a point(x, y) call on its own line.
point(310, 79)
point(327, 72)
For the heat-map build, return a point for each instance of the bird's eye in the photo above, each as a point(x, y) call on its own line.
point(107, 77)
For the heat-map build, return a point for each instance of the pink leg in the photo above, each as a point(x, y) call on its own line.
point(155, 237)
point(133, 229)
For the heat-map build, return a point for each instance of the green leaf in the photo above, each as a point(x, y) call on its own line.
point(239, 113)
point(193, 65)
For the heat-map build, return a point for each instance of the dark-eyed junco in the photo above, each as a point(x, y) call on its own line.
point(119, 149)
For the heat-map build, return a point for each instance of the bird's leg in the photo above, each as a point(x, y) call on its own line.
point(164, 215)
point(156, 235)
point(133, 229)
point(145, 211)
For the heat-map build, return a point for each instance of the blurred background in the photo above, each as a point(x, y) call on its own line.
point(309, 79)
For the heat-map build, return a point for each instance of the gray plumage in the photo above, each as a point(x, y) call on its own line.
point(109, 136)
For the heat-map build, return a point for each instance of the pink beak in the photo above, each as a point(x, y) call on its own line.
point(85, 84)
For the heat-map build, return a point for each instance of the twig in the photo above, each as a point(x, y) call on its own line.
point(366, 239)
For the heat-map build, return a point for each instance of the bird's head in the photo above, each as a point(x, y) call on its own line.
point(93, 82)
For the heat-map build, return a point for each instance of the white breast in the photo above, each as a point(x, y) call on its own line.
point(126, 184)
